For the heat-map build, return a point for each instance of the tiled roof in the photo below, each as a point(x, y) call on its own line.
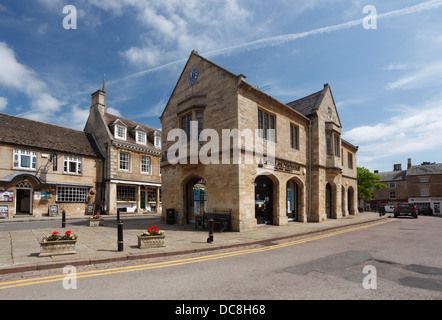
point(307, 105)
point(393, 175)
point(30, 133)
point(131, 125)
point(425, 169)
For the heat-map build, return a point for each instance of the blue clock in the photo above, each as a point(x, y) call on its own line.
point(193, 75)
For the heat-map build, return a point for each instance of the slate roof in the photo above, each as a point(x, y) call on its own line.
point(425, 169)
point(131, 125)
point(30, 133)
point(308, 105)
point(393, 175)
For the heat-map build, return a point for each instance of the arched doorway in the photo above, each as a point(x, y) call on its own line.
point(328, 200)
point(23, 198)
point(263, 200)
point(350, 202)
point(196, 198)
point(292, 200)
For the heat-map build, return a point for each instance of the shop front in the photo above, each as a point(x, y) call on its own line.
point(27, 195)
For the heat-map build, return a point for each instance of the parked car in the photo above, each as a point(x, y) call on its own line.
point(405, 209)
point(389, 208)
point(425, 210)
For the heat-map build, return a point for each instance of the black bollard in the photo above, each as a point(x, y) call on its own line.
point(63, 219)
point(120, 231)
point(210, 238)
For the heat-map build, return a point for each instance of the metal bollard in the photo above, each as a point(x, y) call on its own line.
point(210, 238)
point(120, 232)
point(63, 219)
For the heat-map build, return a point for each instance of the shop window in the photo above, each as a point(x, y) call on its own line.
point(124, 161)
point(126, 193)
point(145, 164)
point(151, 195)
point(72, 194)
point(72, 165)
point(24, 159)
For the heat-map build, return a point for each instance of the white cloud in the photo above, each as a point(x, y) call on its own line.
point(428, 75)
point(396, 66)
point(3, 103)
point(414, 130)
point(19, 77)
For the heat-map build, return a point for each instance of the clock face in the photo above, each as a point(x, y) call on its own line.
point(193, 75)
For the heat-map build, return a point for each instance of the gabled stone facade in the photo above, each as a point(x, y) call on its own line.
point(131, 174)
point(309, 176)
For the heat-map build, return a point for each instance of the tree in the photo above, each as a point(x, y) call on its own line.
point(366, 182)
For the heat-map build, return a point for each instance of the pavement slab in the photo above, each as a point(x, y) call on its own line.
point(19, 249)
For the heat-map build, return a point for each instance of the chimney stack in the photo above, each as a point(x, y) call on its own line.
point(99, 100)
point(409, 163)
point(397, 167)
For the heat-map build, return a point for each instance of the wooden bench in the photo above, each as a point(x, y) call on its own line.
point(220, 219)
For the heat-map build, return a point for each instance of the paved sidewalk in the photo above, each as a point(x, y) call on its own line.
point(19, 249)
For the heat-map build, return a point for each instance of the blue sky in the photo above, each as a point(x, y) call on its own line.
point(386, 81)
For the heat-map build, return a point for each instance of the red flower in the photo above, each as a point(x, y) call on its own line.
point(156, 229)
point(68, 232)
point(150, 230)
point(152, 226)
point(55, 232)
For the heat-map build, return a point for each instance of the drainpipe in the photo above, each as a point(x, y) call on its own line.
point(309, 170)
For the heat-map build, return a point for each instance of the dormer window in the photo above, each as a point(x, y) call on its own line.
point(140, 137)
point(120, 132)
point(157, 140)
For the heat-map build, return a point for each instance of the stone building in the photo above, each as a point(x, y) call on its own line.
point(228, 145)
point(419, 184)
point(46, 167)
point(131, 173)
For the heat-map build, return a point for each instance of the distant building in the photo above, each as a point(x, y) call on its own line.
point(311, 178)
point(44, 166)
point(419, 184)
point(131, 174)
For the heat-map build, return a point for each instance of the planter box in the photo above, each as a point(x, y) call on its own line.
point(52, 248)
point(95, 222)
point(145, 242)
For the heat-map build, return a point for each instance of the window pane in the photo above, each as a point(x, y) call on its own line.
point(25, 161)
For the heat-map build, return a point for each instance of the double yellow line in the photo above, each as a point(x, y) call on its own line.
point(95, 273)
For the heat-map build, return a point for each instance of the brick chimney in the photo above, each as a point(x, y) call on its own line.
point(409, 163)
point(397, 167)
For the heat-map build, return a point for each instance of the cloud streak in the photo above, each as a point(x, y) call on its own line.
point(281, 39)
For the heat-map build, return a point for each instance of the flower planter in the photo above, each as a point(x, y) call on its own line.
point(95, 222)
point(51, 248)
point(145, 242)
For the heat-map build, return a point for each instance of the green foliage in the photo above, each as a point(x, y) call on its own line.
point(366, 182)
